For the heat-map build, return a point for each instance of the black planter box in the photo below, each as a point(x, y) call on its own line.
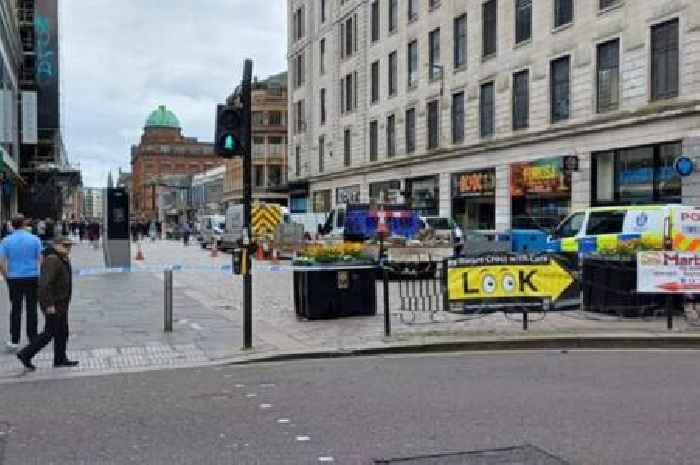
point(334, 292)
point(609, 286)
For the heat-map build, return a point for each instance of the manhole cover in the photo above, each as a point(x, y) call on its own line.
point(521, 455)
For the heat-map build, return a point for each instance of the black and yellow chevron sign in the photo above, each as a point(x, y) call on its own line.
point(265, 218)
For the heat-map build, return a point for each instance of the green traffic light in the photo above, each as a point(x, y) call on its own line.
point(229, 143)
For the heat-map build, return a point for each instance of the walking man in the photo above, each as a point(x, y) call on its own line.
point(55, 291)
point(20, 257)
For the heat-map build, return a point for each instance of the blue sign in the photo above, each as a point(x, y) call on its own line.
point(683, 165)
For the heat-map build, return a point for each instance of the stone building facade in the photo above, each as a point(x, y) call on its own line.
point(162, 152)
point(472, 108)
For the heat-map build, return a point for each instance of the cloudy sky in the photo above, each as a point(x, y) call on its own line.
point(121, 59)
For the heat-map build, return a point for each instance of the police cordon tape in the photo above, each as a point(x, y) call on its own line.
point(226, 269)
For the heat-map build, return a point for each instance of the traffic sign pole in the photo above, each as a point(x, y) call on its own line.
point(247, 203)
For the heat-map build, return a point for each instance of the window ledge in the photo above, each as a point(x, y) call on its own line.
point(459, 69)
point(392, 96)
point(489, 57)
point(614, 7)
point(413, 19)
point(434, 7)
point(563, 27)
point(523, 44)
point(412, 87)
point(392, 32)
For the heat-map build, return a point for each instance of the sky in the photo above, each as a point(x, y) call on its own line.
point(121, 59)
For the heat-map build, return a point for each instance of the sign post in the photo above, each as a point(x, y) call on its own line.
point(247, 206)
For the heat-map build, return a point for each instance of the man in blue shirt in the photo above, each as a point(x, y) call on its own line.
point(20, 259)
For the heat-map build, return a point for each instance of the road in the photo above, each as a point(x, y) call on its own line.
point(584, 407)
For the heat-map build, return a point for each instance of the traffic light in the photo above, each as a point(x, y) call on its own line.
point(230, 138)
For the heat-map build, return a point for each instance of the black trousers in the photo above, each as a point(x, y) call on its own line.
point(57, 329)
point(23, 290)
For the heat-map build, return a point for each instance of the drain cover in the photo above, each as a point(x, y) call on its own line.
point(520, 455)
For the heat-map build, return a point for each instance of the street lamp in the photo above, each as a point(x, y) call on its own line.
point(441, 68)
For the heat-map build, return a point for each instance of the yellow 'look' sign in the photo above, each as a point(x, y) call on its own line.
point(513, 278)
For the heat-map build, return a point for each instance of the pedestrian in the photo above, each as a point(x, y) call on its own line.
point(82, 229)
point(41, 230)
point(6, 229)
point(159, 230)
point(186, 230)
point(20, 257)
point(55, 291)
point(152, 231)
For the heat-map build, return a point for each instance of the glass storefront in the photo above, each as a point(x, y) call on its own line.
point(385, 192)
point(349, 194)
point(423, 195)
point(474, 199)
point(322, 201)
point(540, 194)
point(636, 175)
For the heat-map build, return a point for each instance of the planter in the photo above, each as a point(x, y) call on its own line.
point(327, 291)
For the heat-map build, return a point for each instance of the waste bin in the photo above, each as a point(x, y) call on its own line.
point(332, 292)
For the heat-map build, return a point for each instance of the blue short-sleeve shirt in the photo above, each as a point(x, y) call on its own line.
point(21, 251)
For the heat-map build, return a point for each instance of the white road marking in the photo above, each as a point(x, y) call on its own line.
point(303, 438)
point(283, 420)
point(240, 385)
point(326, 459)
point(251, 395)
point(269, 385)
point(196, 327)
point(265, 405)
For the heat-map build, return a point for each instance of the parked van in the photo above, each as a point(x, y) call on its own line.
point(600, 228)
point(211, 230)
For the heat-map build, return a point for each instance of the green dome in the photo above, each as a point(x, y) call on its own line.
point(162, 118)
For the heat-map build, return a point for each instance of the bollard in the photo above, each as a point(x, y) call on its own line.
point(387, 312)
point(525, 322)
point(669, 311)
point(168, 300)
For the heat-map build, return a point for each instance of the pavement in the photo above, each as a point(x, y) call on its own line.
point(580, 407)
point(117, 321)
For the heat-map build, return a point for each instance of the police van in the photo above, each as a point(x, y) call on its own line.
point(657, 227)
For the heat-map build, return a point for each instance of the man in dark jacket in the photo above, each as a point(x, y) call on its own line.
point(55, 290)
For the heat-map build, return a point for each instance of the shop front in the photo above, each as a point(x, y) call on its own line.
point(321, 201)
point(298, 193)
point(474, 199)
point(385, 192)
point(540, 194)
point(637, 175)
point(349, 194)
point(423, 194)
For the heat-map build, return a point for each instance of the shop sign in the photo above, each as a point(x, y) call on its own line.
point(538, 177)
point(668, 272)
point(475, 183)
point(350, 194)
point(683, 165)
point(494, 277)
point(571, 163)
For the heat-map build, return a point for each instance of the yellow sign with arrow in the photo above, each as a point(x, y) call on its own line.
point(506, 277)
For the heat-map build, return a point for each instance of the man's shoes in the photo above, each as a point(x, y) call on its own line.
point(11, 346)
point(26, 362)
point(66, 364)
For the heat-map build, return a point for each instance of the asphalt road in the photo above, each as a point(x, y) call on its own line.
point(584, 407)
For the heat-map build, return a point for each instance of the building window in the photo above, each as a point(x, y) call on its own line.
point(413, 64)
point(346, 147)
point(563, 12)
point(349, 40)
point(374, 94)
point(433, 4)
point(489, 14)
point(322, 56)
point(299, 23)
point(433, 124)
point(637, 175)
point(348, 93)
point(410, 130)
point(664, 60)
point(297, 161)
point(321, 153)
point(274, 175)
point(323, 11)
point(373, 140)
point(390, 136)
point(299, 70)
point(412, 10)
point(300, 116)
point(605, 4)
point(275, 118)
point(434, 53)
point(323, 106)
point(559, 83)
point(259, 175)
point(521, 100)
point(393, 15)
point(608, 78)
point(460, 41)
point(393, 73)
point(375, 20)
point(523, 20)
point(458, 118)
point(487, 110)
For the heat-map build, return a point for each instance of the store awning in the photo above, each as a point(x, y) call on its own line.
point(9, 169)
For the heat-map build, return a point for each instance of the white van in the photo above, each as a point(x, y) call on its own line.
point(211, 230)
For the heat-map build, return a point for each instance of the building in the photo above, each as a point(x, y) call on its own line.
point(207, 192)
point(471, 109)
point(163, 151)
point(92, 203)
point(269, 138)
point(10, 66)
point(44, 164)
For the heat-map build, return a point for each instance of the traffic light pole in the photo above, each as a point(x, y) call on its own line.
point(247, 206)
